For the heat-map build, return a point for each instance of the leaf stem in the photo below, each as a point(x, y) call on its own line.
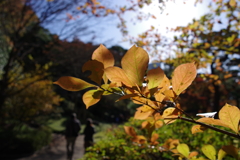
point(207, 126)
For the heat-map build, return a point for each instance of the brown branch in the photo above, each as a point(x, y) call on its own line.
point(208, 126)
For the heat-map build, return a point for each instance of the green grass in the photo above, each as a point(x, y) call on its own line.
point(57, 125)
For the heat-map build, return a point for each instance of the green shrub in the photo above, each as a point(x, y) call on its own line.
point(118, 145)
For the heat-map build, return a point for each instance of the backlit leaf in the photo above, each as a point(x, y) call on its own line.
point(231, 150)
point(141, 113)
point(154, 77)
point(154, 137)
point(96, 69)
point(209, 151)
point(221, 154)
point(91, 97)
point(158, 124)
point(130, 131)
point(168, 111)
point(118, 76)
point(213, 121)
point(193, 154)
point(135, 63)
point(230, 115)
point(197, 129)
point(165, 84)
point(139, 139)
point(183, 149)
point(183, 76)
point(103, 55)
point(72, 83)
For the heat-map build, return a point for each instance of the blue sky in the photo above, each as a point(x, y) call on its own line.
point(180, 12)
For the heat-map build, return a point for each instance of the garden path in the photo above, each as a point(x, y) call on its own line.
point(57, 150)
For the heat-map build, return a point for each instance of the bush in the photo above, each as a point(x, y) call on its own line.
point(24, 141)
point(118, 145)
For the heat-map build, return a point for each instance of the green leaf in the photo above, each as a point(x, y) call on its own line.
point(221, 154)
point(209, 151)
point(135, 63)
point(183, 149)
point(72, 83)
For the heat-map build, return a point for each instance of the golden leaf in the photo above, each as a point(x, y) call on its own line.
point(198, 128)
point(118, 76)
point(139, 114)
point(154, 77)
point(103, 55)
point(96, 69)
point(130, 131)
point(72, 83)
point(135, 63)
point(230, 115)
point(91, 97)
point(193, 154)
point(183, 76)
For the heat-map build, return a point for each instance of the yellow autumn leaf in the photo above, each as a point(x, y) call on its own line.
point(154, 138)
point(140, 114)
point(209, 151)
point(183, 76)
point(103, 55)
point(72, 83)
point(197, 129)
point(96, 69)
point(130, 131)
point(221, 154)
point(154, 77)
point(91, 97)
point(230, 115)
point(165, 84)
point(118, 76)
point(135, 63)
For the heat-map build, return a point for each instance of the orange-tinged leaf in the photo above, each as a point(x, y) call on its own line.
point(145, 124)
point(91, 97)
point(139, 139)
point(159, 97)
point(165, 84)
point(154, 77)
point(96, 69)
point(127, 96)
point(118, 76)
point(173, 143)
point(230, 115)
point(221, 154)
point(169, 93)
point(209, 151)
point(193, 154)
point(197, 129)
point(72, 83)
point(168, 112)
point(183, 149)
point(130, 131)
point(103, 55)
point(158, 124)
point(183, 76)
point(231, 150)
point(213, 122)
point(170, 119)
point(135, 63)
point(139, 114)
point(154, 137)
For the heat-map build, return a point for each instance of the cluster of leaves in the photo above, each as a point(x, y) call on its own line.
point(151, 89)
point(116, 145)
